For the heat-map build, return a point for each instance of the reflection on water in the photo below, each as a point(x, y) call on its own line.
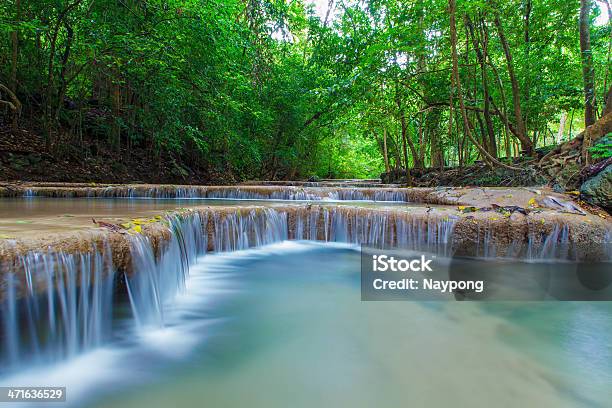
point(283, 326)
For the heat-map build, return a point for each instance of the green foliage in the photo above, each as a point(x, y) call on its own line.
point(267, 89)
point(603, 148)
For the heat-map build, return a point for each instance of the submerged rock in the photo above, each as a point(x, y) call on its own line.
point(598, 190)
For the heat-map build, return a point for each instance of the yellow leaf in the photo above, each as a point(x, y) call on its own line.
point(137, 228)
point(576, 193)
point(461, 207)
point(494, 219)
point(126, 225)
point(543, 221)
point(532, 202)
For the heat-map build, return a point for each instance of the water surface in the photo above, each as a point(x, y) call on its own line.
point(32, 216)
point(283, 326)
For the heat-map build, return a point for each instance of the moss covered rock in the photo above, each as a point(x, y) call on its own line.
point(598, 190)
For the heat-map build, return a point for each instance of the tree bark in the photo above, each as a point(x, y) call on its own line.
point(561, 127)
point(64, 66)
point(491, 161)
point(15, 44)
point(526, 144)
point(481, 54)
point(386, 151)
point(527, 75)
point(588, 72)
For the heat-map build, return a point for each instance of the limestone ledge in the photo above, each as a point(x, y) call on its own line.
point(468, 196)
point(473, 234)
point(588, 234)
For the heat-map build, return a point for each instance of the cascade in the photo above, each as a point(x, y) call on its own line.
point(55, 305)
point(61, 307)
point(156, 280)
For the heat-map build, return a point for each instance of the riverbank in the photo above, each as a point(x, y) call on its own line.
point(23, 156)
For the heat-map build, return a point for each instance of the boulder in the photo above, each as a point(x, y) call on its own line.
point(598, 189)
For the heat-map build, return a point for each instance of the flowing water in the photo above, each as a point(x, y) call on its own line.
point(283, 325)
point(226, 192)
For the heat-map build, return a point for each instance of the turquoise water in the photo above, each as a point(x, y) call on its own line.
point(284, 326)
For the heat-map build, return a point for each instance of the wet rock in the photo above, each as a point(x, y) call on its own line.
point(598, 189)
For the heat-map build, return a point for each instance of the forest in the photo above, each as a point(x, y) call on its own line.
point(229, 90)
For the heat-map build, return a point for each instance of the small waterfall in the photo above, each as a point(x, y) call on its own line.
point(156, 280)
point(257, 227)
point(369, 194)
point(55, 306)
point(374, 228)
point(553, 245)
point(281, 192)
point(287, 193)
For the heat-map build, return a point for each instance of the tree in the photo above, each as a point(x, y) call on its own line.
point(588, 73)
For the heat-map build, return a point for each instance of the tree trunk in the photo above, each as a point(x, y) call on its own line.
point(588, 72)
point(491, 143)
point(386, 151)
point(421, 162)
point(526, 144)
point(404, 142)
point(466, 124)
point(62, 75)
point(14, 58)
point(527, 74)
point(561, 127)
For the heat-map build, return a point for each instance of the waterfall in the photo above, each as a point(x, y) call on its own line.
point(55, 305)
point(257, 227)
point(156, 280)
point(553, 245)
point(225, 192)
point(374, 228)
point(368, 194)
point(58, 307)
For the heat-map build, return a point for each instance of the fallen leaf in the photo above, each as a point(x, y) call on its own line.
point(107, 225)
point(466, 209)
